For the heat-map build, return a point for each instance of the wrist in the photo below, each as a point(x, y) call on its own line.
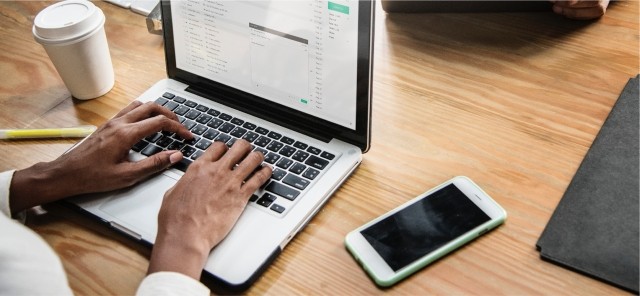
point(39, 184)
point(178, 255)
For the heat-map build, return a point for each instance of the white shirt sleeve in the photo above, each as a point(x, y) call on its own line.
point(28, 265)
point(171, 283)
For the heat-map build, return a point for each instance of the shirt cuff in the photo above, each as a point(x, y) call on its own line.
point(5, 183)
point(171, 283)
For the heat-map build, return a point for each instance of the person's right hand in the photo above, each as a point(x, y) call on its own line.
point(200, 210)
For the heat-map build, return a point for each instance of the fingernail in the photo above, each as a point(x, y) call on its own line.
point(175, 157)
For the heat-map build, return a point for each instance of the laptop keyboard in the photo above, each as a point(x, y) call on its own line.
point(296, 165)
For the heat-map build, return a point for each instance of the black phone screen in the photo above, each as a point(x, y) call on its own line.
point(424, 226)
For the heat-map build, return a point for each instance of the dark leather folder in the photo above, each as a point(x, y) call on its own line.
point(594, 229)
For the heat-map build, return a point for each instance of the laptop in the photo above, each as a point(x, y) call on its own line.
point(291, 77)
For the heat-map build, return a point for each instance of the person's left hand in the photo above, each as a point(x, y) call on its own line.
point(580, 9)
point(101, 162)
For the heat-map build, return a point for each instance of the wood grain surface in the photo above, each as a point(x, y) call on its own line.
point(511, 100)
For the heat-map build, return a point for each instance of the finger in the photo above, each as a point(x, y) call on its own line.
point(153, 164)
point(147, 110)
point(579, 13)
point(258, 178)
point(155, 124)
point(248, 165)
point(214, 152)
point(236, 154)
point(578, 4)
point(129, 108)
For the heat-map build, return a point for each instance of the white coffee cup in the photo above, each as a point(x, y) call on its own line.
point(72, 34)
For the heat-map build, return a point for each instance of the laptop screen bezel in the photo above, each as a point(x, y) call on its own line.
point(280, 114)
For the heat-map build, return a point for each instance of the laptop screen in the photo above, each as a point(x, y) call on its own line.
point(308, 57)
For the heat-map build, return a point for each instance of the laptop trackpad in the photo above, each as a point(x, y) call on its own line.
point(137, 207)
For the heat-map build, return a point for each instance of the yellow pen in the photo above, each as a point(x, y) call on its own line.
point(68, 132)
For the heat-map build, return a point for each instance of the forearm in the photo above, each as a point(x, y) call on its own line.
point(39, 184)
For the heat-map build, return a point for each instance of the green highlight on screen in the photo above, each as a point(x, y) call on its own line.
point(304, 101)
point(338, 7)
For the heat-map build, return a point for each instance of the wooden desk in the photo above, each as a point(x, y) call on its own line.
point(511, 100)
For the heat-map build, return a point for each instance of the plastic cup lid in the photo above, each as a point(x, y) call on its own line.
point(67, 20)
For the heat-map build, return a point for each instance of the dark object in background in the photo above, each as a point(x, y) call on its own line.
point(594, 229)
point(417, 6)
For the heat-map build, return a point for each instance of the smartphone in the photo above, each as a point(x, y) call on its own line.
point(424, 229)
point(143, 7)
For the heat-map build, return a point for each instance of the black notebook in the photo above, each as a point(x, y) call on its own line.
point(594, 229)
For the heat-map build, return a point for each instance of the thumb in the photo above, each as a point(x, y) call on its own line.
point(157, 162)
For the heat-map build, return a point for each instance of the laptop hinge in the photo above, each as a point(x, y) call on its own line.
point(308, 127)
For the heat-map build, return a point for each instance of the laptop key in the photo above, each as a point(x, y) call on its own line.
point(300, 145)
point(202, 108)
point(253, 198)
point(248, 125)
point(179, 99)
point(274, 146)
point(238, 132)
point(284, 163)
point(300, 155)
point(278, 174)
point(327, 155)
point(197, 154)
point(203, 144)
point(204, 118)
point(261, 130)
point(314, 150)
point(181, 110)
point(223, 138)
point(190, 104)
point(274, 135)
point(261, 150)
point(250, 136)
point(215, 123)
point(192, 114)
point(188, 124)
point(287, 140)
point(282, 190)
point(271, 158)
point(137, 147)
point(225, 117)
point(153, 138)
point(311, 173)
point(170, 105)
point(213, 112)
point(183, 164)
point(262, 141)
point(150, 150)
point(296, 182)
point(168, 95)
point(187, 151)
point(277, 208)
point(210, 134)
point(298, 168)
point(176, 145)
point(164, 141)
point(287, 151)
point(266, 199)
point(199, 129)
point(231, 142)
point(317, 162)
point(161, 101)
point(237, 121)
point(226, 127)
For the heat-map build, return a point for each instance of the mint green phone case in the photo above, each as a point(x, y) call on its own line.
point(435, 255)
